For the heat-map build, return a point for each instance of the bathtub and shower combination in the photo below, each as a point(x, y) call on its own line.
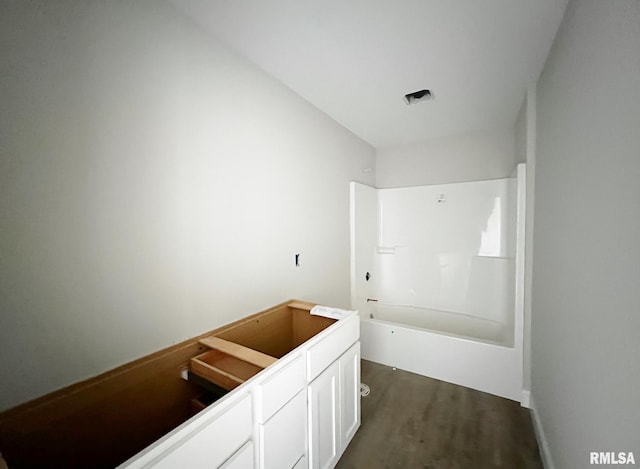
point(437, 275)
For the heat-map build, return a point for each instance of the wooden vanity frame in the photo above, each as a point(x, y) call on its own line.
point(242, 349)
point(103, 421)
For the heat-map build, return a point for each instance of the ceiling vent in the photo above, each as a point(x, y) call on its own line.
point(418, 96)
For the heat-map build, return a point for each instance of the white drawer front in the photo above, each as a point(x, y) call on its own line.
point(301, 464)
point(283, 437)
point(325, 352)
point(278, 389)
point(213, 443)
point(243, 459)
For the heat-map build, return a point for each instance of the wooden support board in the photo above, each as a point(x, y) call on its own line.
point(239, 351)
point(301, 305)
point(224, 370)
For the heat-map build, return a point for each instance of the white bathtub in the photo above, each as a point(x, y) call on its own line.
point(458, 247)
point(446, 322)
point(457, 348)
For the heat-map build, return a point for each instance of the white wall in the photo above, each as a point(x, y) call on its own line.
point(468, 157)
point(153, 186)
point(586, 270)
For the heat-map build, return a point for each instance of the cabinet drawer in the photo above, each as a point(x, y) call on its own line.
point(301, 464)
point(283, 437)
point(277, 390)
point(212, 443)
point(325, 352)
point(243, 459)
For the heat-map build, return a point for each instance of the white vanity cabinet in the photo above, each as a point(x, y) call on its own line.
point(324, 418)
point(299, 412)
point(349, 365)
point(282, 417)
point(241, 459)
point(334, 409)
point(207, 443)
point(283, 439)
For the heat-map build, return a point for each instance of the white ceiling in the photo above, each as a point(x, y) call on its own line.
point(356, 59)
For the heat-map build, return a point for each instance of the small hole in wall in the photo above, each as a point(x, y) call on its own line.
point(418, 96)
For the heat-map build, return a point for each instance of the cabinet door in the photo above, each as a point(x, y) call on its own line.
point(324, 418)
point(349, 395)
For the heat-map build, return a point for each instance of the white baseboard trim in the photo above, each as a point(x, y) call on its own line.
point(543, 444)
point(525, 399)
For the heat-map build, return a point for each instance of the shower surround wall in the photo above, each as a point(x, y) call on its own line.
point(443, 296)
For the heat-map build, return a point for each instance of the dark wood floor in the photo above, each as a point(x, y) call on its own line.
point(413, 422)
